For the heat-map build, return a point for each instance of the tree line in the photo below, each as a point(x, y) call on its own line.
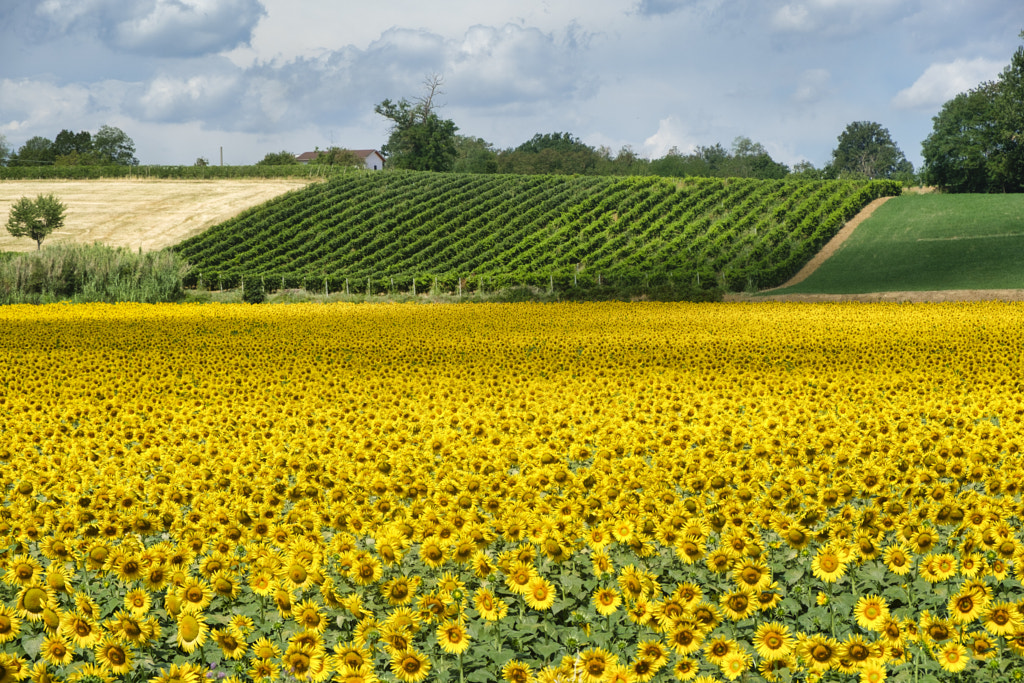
point(108, 146)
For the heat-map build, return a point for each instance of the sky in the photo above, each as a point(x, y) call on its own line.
point(188, 78)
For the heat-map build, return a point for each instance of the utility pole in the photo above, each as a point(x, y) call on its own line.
point(222, 155)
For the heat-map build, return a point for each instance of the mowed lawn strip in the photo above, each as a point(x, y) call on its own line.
point(139, 213)
point(928, 242)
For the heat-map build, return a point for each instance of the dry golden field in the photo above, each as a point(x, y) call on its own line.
point(140, 213)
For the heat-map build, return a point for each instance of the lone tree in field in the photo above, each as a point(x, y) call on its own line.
point(36, 218)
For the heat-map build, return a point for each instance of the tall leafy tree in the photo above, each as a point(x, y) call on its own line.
point(958, 153)
point(37, 151)
point(977, 138)
point(866, 149)
point(419, 139)
point(5, 151)
point(113, 146)
point(550, 153)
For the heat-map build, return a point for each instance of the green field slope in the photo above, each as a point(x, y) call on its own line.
point(402, 231)
point(928, 242)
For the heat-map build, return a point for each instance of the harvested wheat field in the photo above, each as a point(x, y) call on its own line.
point(140, 213)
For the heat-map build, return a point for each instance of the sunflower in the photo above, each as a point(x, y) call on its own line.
point(260, 671)
point(873, 672)
point(432, 553)
point(952, 657)
point(592, 664)
point(519, 577)
point(966, 605)
point(1001, 619)
point(482, 565)
point(303, 661)
point(685, 637)
point(58, 578)
point(982, 645)
point(138, 601)
point(753, 575)
point(737, 605)
point(309, 616)
point(540, 593)
point(773, 641)
point(452, 637)
point(265, 649)
point(225, 584)
point(23, 571)
point(33, 600)
point(640, 670)
point(195, 594)
point(653, 650)
point(640, 612)
point(262, 583)
point(871, 611)
point(820, 652)
point(828, 565)
point(720, 560)
point(113, 656)
point(735, 664)
point(935, 630)
point(350, 657)
point(899, 559)
point(635, 582)
point(858, 650)
point(601, 564)
point(490, 607)
point(230, 645)
point(10, 625)
point(717, 650)
point(89, 672)
point(56, 651)
point(936, 567)
point(192, 630)
point(83, 631)
point(366, 570)
point(410, 666)
point(689, 549)
point(606, 601)
point(516, 671)
point(685, 669)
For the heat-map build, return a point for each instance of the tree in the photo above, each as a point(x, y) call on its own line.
point(112, 145)
point(36, 218)
point(5, 151)
point(977, 138)
point(337, 156)
point(551, 153)
point(281, 158)
point(867, 150)
point(37, 151)
point(963, 142)
point(67, 143)
point(419, 139)
point(475, 155)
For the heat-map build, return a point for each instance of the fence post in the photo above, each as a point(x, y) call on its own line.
point(346, 286)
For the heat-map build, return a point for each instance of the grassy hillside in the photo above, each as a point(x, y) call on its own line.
point(400, 231)
point(928, 242)
point(139, 214)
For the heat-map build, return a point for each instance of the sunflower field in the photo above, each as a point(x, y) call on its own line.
point(585, 493)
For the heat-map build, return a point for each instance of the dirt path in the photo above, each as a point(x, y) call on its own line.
point(140, 213)
point(833, 244)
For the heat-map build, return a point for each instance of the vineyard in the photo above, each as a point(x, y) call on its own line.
point(409, 232)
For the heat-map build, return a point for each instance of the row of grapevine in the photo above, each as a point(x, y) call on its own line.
point(406, 231)
point(169, 172)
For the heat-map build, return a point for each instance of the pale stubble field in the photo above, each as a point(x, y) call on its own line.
point(139, 213)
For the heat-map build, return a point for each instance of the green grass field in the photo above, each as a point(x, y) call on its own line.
point(928, 242)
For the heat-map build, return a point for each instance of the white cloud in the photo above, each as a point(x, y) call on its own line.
point(671, 133)
point(942, 82)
